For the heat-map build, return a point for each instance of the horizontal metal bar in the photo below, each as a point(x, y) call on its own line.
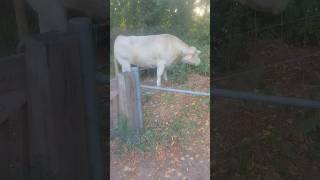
point(147, 68)
point(239, 95)
point(140, 68)
point(289, 101)
point(175, 90)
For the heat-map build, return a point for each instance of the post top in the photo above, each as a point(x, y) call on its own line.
point(79, 24)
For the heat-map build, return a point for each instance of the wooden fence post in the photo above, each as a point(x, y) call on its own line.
point(114, 103)
point(129, 107)
point(13, 119)
point(57, 129)
point(137, 84)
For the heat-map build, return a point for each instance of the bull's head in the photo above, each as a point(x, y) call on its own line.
point(191, 56)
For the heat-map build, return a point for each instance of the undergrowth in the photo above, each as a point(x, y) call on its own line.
point(154, 134)
point(311, 129)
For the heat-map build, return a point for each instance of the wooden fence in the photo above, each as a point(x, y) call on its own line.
point(125, 100)
point(43, 131)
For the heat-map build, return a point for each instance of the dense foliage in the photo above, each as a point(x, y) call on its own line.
point(236, 25)
point(176, 17)
point(8, 37)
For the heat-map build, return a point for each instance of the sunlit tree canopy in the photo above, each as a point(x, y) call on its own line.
point(180, 16)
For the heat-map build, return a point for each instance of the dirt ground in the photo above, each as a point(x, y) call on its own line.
point(250, 140)
point(172, 159)
point(258, 141)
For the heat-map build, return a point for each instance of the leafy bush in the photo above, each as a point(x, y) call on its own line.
point(236, 25)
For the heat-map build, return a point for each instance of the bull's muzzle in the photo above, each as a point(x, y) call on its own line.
point(197, 63)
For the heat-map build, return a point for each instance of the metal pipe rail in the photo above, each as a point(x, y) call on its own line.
point(288, 101)
point(195, 93)
point(247, 96)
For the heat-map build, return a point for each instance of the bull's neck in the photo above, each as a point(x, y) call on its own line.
point(183, 47)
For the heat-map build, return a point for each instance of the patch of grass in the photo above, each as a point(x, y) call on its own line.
point(185, 110)
point(178, 73)
point(310, 123)
point(259, 80)
point(125, 133)
point(147, 95)
point(160, 134)
point(167, 98)
point(165, 135)
point(148, 140)
point(185, 87)
point(206, 101)
point(242, 155)
point(311, 129)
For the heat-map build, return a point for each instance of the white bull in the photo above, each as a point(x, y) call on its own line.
point(154, 50)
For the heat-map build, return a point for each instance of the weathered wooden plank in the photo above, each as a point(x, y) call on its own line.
point(12, 73)
point(13, 118)
point(4, 151)
point(58, 143)
point(113, 94)
point(133, 116)
point(139, 109)
point(123, 99)
point(127, 98)
point(114, 110)
point(38, 112)
point(19, 152)
point(114, 113)
point(10, 103)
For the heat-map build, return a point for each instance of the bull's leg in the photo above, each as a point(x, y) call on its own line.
point(165, 77)
point(125, 65)
point(160, 69)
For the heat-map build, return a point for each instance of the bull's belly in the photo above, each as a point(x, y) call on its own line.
point(143, 62)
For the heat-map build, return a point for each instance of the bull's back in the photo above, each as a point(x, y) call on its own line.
point(143, 50)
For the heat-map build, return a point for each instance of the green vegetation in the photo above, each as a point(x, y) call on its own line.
point(153, 135)
point(158, 132)
point(235, 26)
point(8, 30)
point(167, 98)
point(176, 17)
point(310, 127)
